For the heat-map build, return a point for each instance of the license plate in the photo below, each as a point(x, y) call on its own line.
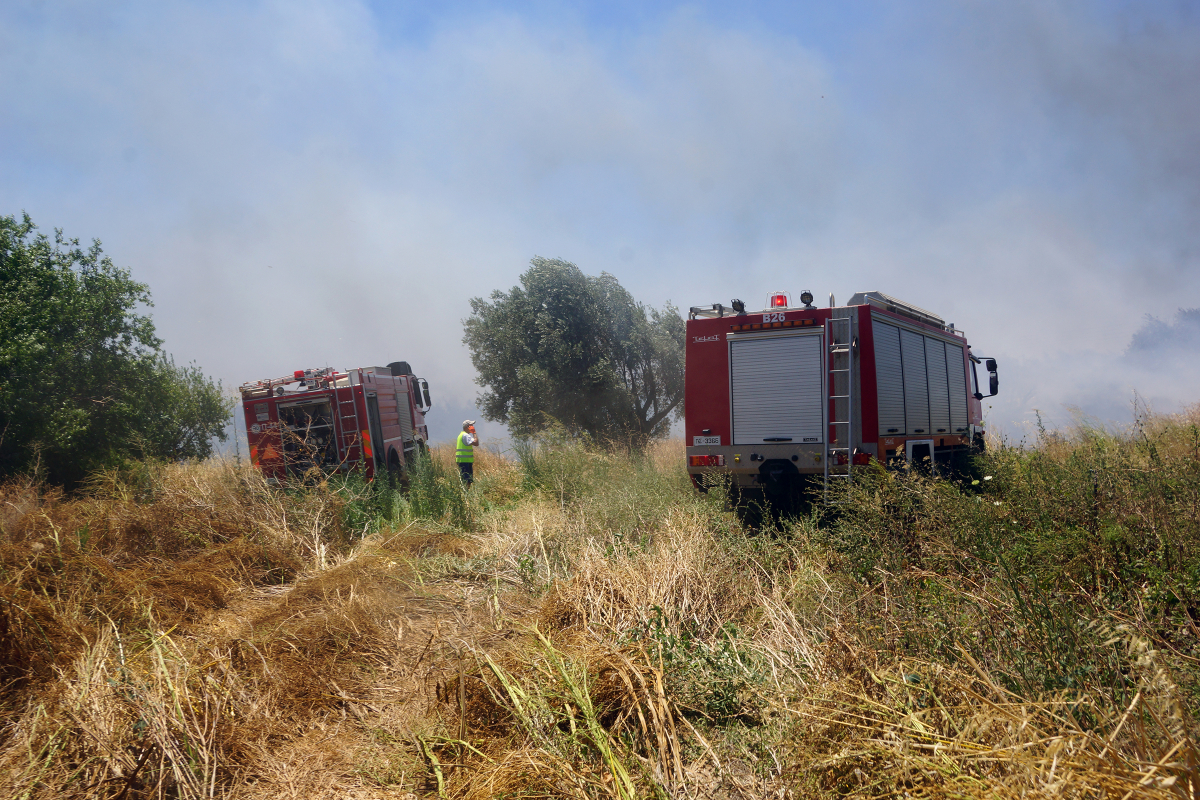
point(700, 441)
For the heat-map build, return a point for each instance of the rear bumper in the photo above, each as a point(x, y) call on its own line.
point(742, 463)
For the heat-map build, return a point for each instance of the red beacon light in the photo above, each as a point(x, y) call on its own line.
point(298, 374)
point(778, 300)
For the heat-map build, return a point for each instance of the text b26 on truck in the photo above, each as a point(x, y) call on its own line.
point(779, 400)
point(318, 422)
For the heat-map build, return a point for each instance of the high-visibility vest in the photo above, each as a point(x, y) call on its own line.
point(465, 454)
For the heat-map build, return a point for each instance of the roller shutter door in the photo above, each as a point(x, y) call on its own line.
point(956, 373)
point(916, 383)
point(405, 414)
point(776, 389)
point(889, 379)
point(939, 391)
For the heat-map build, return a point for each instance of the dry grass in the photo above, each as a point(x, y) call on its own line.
point(580, 624)
point(175, 638)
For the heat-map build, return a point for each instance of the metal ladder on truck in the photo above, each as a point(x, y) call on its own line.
point(839, 447)
point(353, 437)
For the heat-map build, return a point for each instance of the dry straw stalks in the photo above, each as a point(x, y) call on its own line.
point(583, 624)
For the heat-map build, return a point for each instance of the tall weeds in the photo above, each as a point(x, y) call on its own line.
point(582, 623)
point(1032, 567)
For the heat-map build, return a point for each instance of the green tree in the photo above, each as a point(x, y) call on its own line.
point(578, 351)
point(83, 381)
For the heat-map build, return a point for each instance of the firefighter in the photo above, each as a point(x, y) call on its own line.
point(464, 453)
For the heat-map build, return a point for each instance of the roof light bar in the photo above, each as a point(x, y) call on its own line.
point(790, 323)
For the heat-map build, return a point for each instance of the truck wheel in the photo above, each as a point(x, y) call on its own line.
point(752, 507)
point(396, 475)
point(787, 492)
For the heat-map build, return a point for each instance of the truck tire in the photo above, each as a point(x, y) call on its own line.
point(397, 477)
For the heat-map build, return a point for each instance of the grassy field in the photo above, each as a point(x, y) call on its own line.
point(584, 624)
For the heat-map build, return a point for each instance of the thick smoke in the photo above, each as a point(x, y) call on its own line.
point(328, 183)
point(1159, 343)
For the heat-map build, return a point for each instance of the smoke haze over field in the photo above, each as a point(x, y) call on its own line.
point(315, 183)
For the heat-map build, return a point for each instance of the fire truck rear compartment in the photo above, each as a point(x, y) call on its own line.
point(308, 437)
point(748, 467)
point(776, 389)
point(921, 383)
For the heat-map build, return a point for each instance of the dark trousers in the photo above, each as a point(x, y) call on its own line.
point(467, 471)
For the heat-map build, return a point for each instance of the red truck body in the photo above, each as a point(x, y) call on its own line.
point(775, 398)
point(321, 422)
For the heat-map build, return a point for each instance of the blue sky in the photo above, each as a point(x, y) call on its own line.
point(312, 183)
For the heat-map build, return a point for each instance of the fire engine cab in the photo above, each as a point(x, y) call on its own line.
point(778, 399)
point(317, 422)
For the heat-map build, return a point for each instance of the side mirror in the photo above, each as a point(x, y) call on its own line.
point(423, 386)
point(993, 381)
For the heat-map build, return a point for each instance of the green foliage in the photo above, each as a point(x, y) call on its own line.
point(435, 492)
point(627, 497)
point(558, 466)
point(1028, 566)
point(719, 678)
point(83, 382)
point(367, 505)
point(577, 351)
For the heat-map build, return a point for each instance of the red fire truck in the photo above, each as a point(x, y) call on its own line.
point(781, 398)
point(324, 421)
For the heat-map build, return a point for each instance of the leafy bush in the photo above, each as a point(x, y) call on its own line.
point(84, 384)
point(435, 492)
point(1026, 568)
point(570, 350)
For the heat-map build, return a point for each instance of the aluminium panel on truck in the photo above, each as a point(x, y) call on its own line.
point(939, 388)
point(916, 382)
point(956, 371)
point(405, 412)
point(777, 388)
point(921, 382)
point(889, 379)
